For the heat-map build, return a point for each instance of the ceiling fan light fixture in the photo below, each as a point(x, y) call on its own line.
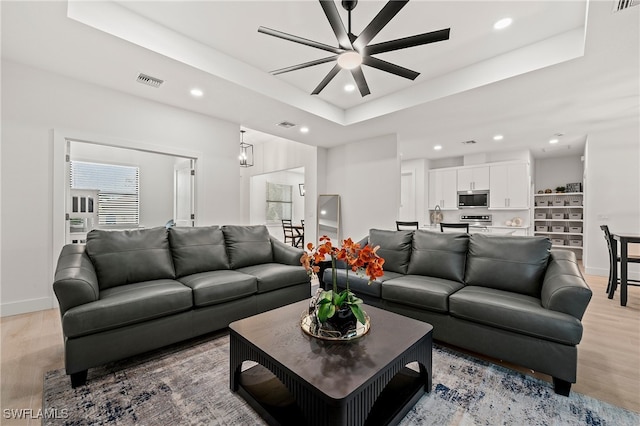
point(349, 60)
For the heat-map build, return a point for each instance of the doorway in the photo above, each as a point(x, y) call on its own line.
point(275, 196)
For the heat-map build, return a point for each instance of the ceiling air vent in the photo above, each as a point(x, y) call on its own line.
point(286, 124)
point(619, 5)
point(471, 142)
point(149, 81)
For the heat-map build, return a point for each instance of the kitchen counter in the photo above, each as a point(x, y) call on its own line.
point(494, 230)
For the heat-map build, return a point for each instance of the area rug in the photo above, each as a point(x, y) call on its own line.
point(188, 384)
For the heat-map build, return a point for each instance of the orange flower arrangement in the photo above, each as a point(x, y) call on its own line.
point(361, 260)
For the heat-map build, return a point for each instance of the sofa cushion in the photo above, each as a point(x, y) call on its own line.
point(514, 312)
point(131, 256)
point(439, 254)
point(357, 284)
point(247, 245)
point(127, 304)
point(423, 292)
point(214, 287)
point(508, 263)
point(395, 248)
point(273, 276)
point(199, 249)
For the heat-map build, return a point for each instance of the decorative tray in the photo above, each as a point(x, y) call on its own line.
point(311, 326)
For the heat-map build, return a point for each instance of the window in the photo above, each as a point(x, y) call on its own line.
point(279, 202)
point(118, 190)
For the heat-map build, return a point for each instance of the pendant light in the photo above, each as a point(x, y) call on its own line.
point(246, 152)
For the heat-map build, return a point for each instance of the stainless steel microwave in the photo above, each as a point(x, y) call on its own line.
point(473, 199)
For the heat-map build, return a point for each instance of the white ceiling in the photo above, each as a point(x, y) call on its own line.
point(568, 67)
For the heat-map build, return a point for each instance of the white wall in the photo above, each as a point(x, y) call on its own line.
point(156, 173)
point(612, 192)
point(366, 175)
point(557, 171)
point(33, 103)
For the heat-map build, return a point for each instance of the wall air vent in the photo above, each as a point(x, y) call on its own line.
point(286, 124)
point(149, 81)
point(470, 142)
point(619, 5)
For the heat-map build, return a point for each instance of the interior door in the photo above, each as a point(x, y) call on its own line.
point(407, 211)
point(183, 211)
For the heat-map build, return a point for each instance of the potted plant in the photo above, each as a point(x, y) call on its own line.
point(336, 308)
point(560, 189)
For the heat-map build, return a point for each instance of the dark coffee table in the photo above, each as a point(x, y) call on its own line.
point(303, 380)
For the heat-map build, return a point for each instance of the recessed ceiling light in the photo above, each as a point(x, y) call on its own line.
point(197, 93)
point(552, 141)
point(502, 23)
point(304, 129)
point(498, 137)
point(349, 88)
point(437, 147)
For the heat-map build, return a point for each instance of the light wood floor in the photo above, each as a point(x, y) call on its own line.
point(608, 356)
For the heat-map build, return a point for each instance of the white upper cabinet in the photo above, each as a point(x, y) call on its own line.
point(443, 189)
point(473, 178)
point(509, 186)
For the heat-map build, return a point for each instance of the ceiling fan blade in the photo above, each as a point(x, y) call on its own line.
point(334, 71)
point(389, 67)
point(382, 18)
point(402, 43)
point(300, 40)
point(331, 11)
point(358, 76)
point(304, 65)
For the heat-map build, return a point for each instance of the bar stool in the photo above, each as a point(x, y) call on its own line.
point(456, 226)
point(403, 226)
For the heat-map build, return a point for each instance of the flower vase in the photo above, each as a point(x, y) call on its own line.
point(343, 321)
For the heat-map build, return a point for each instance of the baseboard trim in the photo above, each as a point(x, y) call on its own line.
point(604, 272)
point(25, 306)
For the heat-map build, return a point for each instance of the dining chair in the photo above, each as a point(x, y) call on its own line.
point(291, 234)
point(405, 226)
point(456, 226)
point(614, 259)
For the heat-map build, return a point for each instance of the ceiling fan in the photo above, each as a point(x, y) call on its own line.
point(354, 51)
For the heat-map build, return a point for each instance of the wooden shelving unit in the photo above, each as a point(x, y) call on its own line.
point(560, 216)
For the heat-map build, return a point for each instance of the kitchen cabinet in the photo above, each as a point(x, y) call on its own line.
point(559, 216)
point(443, 189)
point(509, 186)
point(473, 179)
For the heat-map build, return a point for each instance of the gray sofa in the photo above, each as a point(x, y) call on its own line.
point(511, 298)
point(127, 292)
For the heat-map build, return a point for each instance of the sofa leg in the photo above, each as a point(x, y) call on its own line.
point(561, 387)
point(78, 379)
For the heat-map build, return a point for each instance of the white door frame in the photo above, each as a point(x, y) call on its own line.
point(60, 139)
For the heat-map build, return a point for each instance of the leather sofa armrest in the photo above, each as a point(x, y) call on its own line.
point(284, 253)
point(75, 281)
point(564, 288)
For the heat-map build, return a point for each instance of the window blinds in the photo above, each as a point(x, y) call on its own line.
point(118, 186)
